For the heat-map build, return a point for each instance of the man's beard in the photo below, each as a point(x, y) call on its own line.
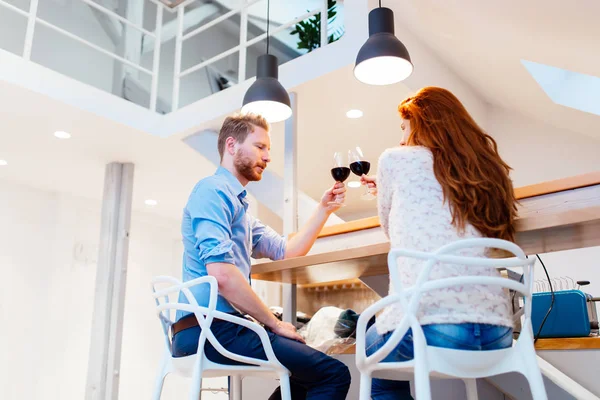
point(246, 167)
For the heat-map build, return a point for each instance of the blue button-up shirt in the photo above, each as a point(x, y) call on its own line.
point(217, 228)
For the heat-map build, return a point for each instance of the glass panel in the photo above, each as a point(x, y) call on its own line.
point(150, 15)
point(215, 40)
point(21, 4)
point(287, 44)
point(82, 20)
point(201, 12)
point(72, 58)
point(12, 28)
point(209, 80)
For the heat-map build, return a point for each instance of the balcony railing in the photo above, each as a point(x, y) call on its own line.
point(132, 60)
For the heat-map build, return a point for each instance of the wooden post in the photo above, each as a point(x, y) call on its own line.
point(107, 323)
point(290, 198)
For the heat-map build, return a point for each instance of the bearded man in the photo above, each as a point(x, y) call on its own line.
point(220, 237)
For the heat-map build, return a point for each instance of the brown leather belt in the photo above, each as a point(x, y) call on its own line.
point(189, 321)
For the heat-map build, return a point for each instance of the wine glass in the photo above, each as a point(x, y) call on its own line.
point(340, 172)
point(360, 166)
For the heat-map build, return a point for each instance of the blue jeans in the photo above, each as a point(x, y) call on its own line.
point(452, 336)
point(315, 375)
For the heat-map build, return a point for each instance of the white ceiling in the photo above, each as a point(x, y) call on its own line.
point(165, 170)
point(482, 42)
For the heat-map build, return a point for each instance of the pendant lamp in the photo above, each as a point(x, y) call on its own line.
point(266, 96)
point(383, 59)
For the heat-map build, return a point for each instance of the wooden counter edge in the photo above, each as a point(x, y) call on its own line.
point(539, 189)
point(581, 343)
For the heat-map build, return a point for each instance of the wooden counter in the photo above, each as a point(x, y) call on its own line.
point(579, 343)
point(557, 215)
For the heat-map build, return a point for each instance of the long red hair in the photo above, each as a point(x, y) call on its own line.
point(466, 162)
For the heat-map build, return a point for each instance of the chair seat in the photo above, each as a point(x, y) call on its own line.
point(450, 364)
point(185, 365)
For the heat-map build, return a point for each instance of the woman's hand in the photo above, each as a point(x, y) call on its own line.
point(370, 182)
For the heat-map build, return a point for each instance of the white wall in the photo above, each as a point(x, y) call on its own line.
point(48, 252)
point(539, 152)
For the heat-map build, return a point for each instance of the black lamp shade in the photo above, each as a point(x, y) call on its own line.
point(383, 59)
point(267, 96)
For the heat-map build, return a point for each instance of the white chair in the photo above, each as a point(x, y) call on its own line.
point(442, 362)
point(166, 292)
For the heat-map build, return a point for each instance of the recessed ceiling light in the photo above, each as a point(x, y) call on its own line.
point(3, 162)
point(354, 114)
point(354, 184)
point(151, 202)
point(62, 135)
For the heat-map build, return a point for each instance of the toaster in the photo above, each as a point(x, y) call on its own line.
point(573, 314)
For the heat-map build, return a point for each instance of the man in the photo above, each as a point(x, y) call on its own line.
point(219, 238)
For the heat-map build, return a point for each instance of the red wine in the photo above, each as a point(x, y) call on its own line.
point(360, 168)
point(340, 174)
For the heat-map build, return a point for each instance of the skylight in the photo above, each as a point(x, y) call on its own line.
point(567, 88)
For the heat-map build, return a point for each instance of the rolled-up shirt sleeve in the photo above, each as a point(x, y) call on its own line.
point(266, 243)
point(211, 215)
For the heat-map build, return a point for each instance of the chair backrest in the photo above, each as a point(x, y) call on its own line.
point(166, 292)
point(409, 298)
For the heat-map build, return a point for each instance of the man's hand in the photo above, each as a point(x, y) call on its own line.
point(287, 330)
point(337, 193)
point(371, 183)
point(302, 241)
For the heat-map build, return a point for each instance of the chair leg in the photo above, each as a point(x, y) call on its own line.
point(471, 385)
point(196, 389)
point(158, 385)
point(236, 388)
point(422, 384)
point(536, 384)
point(365, 387)
point(284, 383)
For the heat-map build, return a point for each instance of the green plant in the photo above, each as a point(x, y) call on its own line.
point(309, 31)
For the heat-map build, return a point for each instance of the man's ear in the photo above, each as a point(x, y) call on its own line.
point(230, 145)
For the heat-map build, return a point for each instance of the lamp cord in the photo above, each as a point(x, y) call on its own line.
point(268, 14)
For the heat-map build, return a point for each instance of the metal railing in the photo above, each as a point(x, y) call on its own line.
point(242, 47)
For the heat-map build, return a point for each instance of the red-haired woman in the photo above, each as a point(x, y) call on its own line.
point(444, 182)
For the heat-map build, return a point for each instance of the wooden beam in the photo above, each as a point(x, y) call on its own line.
point(109, 299)
point(351, 226)
point(535, 234)
point(290, 200)
point(559, 185)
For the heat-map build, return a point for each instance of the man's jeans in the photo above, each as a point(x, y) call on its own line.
point(315, 375)
point(453, 336)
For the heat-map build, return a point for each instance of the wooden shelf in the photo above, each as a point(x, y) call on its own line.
point(521, 193)
point(584, 343)
point(559, 185)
